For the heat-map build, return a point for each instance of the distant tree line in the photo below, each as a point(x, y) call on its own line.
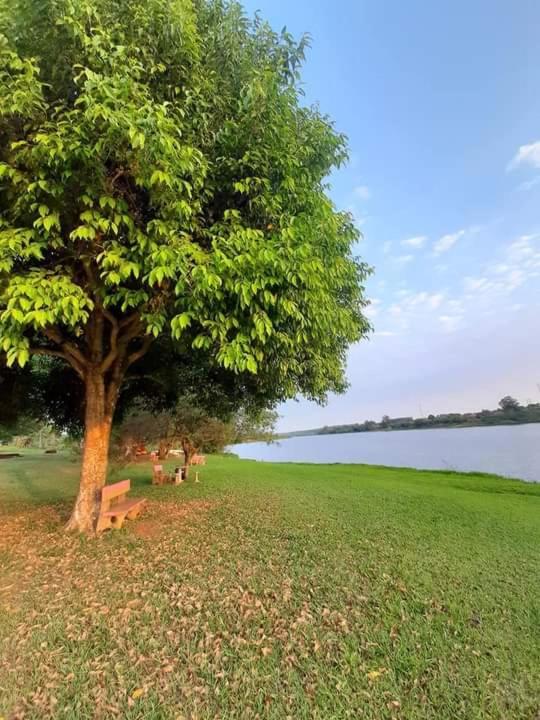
point(509, 412)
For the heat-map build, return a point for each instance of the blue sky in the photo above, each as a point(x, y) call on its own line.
point(441, 104)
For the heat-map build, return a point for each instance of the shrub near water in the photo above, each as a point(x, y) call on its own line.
point(273, 591)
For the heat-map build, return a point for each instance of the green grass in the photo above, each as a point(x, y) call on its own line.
point(272, 591)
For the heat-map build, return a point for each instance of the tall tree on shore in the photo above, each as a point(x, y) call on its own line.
point(159, 175)
point(508, 403)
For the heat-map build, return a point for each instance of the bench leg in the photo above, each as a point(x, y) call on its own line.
point(132, 514)
point(117, 521)
point(103, 523)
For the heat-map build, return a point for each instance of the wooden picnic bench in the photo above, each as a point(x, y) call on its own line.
point(116, 507)
point(160, 477)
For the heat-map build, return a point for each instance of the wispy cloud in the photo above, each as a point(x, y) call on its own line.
point(529, 184)
point(373, 308)
point(403, 259)
point(415, 242)
point(435, 300)
point(524, 247)
point(421, 299)
point(497, 287)
point(519, 264)
point(447, 241)
point(387, 246)
point(526, 155)
point(362, 192)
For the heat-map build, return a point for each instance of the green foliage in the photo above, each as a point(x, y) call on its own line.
point(163, 166)
point(255, 424)
point(508, 403)
point(187, 424)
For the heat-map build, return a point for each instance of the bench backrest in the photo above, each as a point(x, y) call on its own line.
point(110, 492)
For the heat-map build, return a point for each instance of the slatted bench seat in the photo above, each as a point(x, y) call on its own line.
point(116, 507)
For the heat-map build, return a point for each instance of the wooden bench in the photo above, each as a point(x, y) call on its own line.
point(115, 507)
point(159, 476)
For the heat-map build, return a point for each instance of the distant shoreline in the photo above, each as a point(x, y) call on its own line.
point(341, 430)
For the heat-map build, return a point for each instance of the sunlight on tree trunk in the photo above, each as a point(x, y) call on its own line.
point(98, 422)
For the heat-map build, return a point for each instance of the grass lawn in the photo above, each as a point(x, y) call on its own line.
point(272, 591)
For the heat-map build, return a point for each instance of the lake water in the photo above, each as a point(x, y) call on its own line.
point(510, 450)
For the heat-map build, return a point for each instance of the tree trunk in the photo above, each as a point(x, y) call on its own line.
point(189, 451)
point(97, 433)
point(164, 449)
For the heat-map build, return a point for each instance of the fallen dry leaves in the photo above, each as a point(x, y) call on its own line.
point(165, 611)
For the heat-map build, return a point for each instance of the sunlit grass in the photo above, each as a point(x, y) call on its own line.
point(272, 591)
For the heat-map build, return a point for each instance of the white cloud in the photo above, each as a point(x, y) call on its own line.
point(421, 299)
point(387, 246)
point(500, 268)
point(477, 284)
point(523, 248)
point(447, 241)
point(362, 192)
point(415, 242)
point(520, 263)
point(529, 183)
point(495, 288)
point(526, 155)
point(515, 279)
point(435, 300)
point(373, 308)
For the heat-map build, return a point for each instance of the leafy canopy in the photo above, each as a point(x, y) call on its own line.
point(157, 167)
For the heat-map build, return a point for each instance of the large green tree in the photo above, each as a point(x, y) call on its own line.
point(159, 174)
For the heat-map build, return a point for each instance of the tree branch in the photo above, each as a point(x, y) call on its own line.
point(129, 319)
point(49, 351)
point(58, 353)
point(56, 336)
point(121, 363)
point(138, 354)
point(113, 341)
